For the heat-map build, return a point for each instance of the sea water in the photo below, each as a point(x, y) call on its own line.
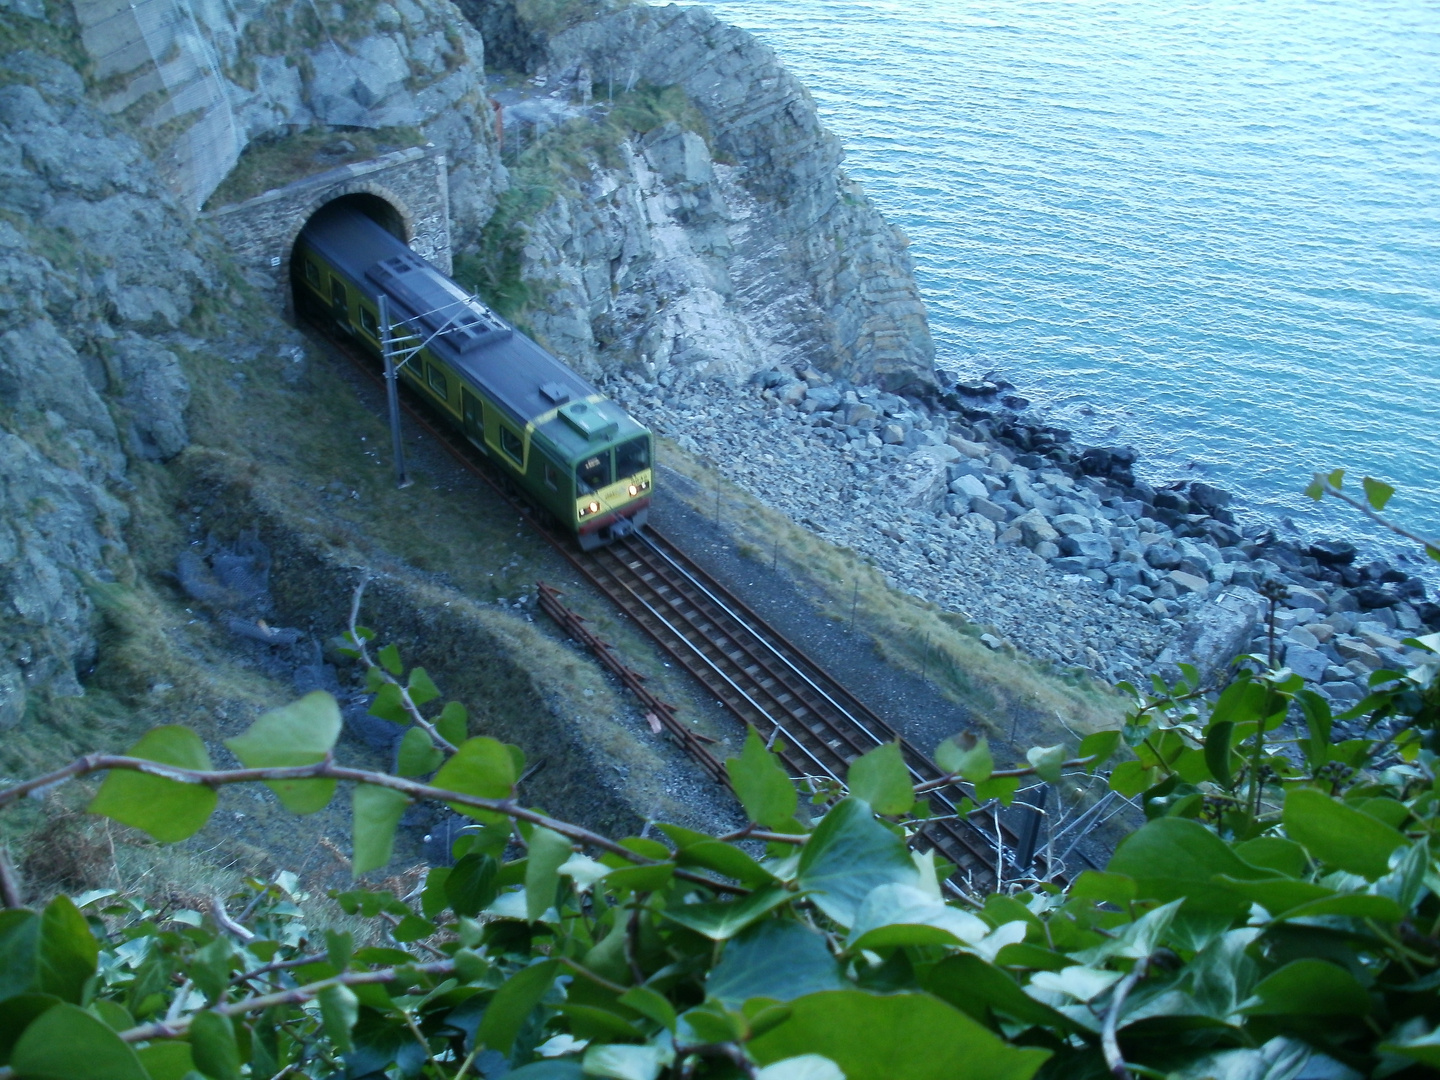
point(1209, 230)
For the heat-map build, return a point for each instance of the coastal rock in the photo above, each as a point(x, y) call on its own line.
point(821, 266)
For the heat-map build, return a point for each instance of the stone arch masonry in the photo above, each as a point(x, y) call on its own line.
point(261, 231)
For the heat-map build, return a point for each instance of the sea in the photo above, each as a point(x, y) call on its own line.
point(1210, 230)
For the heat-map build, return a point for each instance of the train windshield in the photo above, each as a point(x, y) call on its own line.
point(633, 456)
point(593, 473)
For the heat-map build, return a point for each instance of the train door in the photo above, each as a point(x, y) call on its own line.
point(339, 302)
point(474, 420)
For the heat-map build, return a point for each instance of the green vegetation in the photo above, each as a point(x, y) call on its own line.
point(273, 162)
point(550, 164)
point(1277, 915)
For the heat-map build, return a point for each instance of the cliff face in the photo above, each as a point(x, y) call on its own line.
point(206, 81)
point(742, 250)
point(718, 235)
point(98, 266)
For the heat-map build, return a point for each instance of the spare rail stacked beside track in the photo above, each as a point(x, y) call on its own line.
point(818, 726)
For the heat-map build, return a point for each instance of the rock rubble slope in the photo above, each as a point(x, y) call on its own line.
point(1061, 552)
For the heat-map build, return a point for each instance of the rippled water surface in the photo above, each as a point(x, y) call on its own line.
point(1211, 230)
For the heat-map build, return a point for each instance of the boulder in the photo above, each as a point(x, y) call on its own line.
point(824, 397)
point(1070, 524)
point(1162, 556)
point(1309, 664)
point(1089, 545)
point(970, 487)
point(1188, 582)
point(1208, 497)
point(1036, 529)
point(989, 510)
point(1333, 552)
point(1300, 597)
point(1353, 650)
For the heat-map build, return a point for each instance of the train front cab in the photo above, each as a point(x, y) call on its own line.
point(612, 491)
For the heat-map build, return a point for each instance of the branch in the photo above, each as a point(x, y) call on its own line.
point(9, 887)
point(405, 700)
point(170, 1029)
point(1108, 1042)
point(225, 922)
point(1028, 770)
point(328, 770)
point(1349, 500)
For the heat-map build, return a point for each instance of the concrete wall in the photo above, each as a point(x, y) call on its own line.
point(261, 231)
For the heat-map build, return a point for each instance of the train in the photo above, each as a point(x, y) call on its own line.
point(575, 453)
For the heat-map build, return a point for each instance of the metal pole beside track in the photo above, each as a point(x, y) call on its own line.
point(392, 393)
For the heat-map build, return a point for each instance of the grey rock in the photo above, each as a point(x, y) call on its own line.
point(989, 510)
point(1309, 664)
point(970, 487)
point(1298, 635)
point(1162, 556)
point(824, 397)
point(1189, 582)
point(1307, 598)
point(1070, 524)
point(1091, 546)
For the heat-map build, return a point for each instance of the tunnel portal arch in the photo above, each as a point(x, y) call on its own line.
point(407, 192)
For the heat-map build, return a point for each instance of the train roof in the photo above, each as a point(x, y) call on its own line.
point(514, 371)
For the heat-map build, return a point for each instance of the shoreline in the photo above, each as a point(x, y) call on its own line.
point(1055, 548)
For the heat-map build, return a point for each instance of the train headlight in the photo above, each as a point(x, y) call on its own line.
point(591, 507)
point(634, 490)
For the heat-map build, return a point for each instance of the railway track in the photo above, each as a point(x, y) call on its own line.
point(764, 680)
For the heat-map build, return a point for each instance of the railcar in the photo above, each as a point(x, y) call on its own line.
point(573, 451)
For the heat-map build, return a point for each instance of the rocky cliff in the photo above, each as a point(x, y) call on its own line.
point(99, 267)
point(726, 239)
point(707, 228)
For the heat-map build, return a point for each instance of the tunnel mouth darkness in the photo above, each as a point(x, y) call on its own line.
point(378, 209)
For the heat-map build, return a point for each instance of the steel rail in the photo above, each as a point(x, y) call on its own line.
point(963, 842)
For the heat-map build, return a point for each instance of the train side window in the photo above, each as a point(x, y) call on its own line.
point(552, 477)
point(438, 382)
point(312, 273)
point(511, 444)
point(368, 323)
point(337, 294)
point(593, 473)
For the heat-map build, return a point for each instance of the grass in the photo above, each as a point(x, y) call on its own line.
point(272, 162)
point(1015, 699)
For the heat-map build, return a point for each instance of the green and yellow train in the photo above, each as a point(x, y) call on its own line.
point(573, 451)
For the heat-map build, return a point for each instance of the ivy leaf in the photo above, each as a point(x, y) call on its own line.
point(1338, 835)
point(894, 1037)
point(1217, 753)
point(389, 658)
point(966, 755)
point(548, 852)
point(1316, 488)
point(722, 920)
point(417, 755)
point(389, 705)
point(454, 723)
point(1046, 761)
point(761, 784)
point(212, 1042)
point(881, 779)
point(1377, 492)
point(1310, 988)
point(168, 810)
point(779, 959)
point(512, 1004)
point(482, 766)
point(19, 946)
point(167, 1060)
point(300, 733)
point(376, 812)
point(849, 854)
point(67, 951)
point(1336, 478)
point(422, 689)
point(67, 1043)
point(997, 787)
point(1100, 745)
point(469, 886)
point(339, 1008)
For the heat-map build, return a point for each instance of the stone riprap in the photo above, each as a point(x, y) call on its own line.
point(1061, 551)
